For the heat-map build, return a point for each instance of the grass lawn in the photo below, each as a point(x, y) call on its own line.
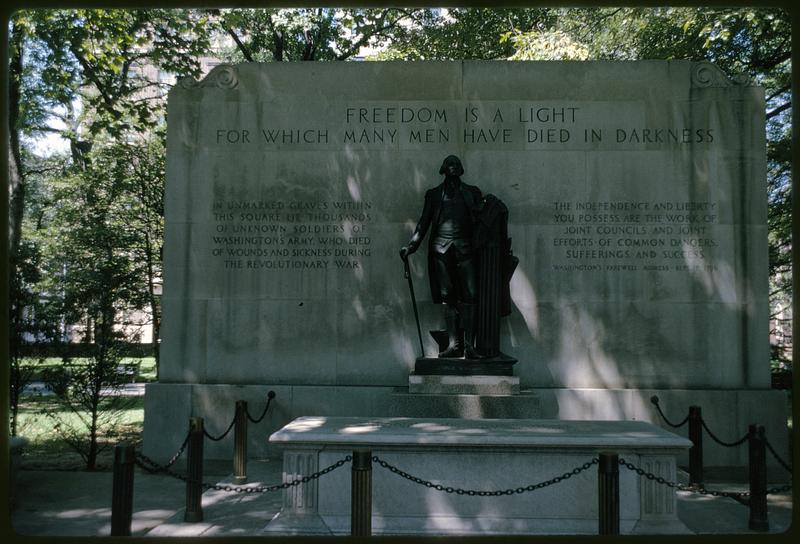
point(40, 414)
point(147, 366)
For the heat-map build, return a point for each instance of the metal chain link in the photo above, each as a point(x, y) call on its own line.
point(683, 487)
point(722, 442)
point(238, 489)
point(481, 493)
point(781, 489)
point(777, 457)
point(223, 435)
point(159, 467)
point(654, 400)
point(256, 421)
point(700, 489)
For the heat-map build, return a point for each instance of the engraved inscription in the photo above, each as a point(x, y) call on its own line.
point(291, 235)
point(627, 236)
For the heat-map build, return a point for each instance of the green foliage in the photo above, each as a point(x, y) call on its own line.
point(99, 55)
point(545, 45)
point(102, 241)
point(90, 242)
point(47, 449)
point(305, 34)
point(464, 34)
point(89, 392)
point(33, 316)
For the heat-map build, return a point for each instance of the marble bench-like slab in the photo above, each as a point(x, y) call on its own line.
point(490, 454)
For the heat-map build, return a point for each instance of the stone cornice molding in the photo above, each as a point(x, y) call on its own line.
point(223, 76)
point(708, 74)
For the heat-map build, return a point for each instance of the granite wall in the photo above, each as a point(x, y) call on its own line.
point(637, 205)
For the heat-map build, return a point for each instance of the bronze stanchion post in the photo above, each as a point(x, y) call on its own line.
point(759, 520)
point(240, 443)
point(608, 494)
point(696, 451)
point(122, 490)
point(361, 494)
point(194, 472)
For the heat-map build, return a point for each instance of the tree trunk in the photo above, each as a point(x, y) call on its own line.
point(91, 458)
point(16, 178)
point(277, 53)
point(89, 336)
point(15, 394)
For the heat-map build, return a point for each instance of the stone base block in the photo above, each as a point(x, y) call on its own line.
point(291, 524)
point(463, 385)
point(502, 365)
point(525, 405)
point(386, 525)
point(407, 526)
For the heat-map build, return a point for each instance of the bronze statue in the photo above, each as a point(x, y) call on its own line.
point(451, 213)
point(470, 265)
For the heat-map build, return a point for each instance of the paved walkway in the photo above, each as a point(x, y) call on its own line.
point(51, 503)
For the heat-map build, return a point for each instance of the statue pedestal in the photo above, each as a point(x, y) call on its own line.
point(463, 385)
point(502, 365)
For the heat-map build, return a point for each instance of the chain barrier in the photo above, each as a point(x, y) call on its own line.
point(654, 400)
point(777, 457)
point(480, 493)
point(161, 468)
point(683, 487)
point(721, 442)
point(247, 412)
point(257, 421)
point(239, 489)
point(781, 489)
point(223, 435)
point(742, 496)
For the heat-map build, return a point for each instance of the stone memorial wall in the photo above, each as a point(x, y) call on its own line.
point(637, 208)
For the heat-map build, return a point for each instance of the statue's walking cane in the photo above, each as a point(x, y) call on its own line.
point(414, 303)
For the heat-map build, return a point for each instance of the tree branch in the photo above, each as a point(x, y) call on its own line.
point(45, 128)
point(778, 92)
point(773, 62)
point(783, 107)
point(90, 74)
point(596, 23)
point(50, 170)
point(241, 46)
point(232, 33)
point(375, 32)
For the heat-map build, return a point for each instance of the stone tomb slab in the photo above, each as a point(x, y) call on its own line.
point(486, 455)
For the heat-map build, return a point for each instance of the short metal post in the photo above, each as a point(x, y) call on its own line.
point(608, 494)
point(240, 443)
point(361, 494)
point(696, 451)
point(122, 490)
point(759, 520)
point(194, 472)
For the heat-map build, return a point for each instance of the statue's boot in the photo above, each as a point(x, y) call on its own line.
point(455, 347)
point(468, 321)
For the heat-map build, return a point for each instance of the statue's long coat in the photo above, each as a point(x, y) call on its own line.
point(430, 215)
